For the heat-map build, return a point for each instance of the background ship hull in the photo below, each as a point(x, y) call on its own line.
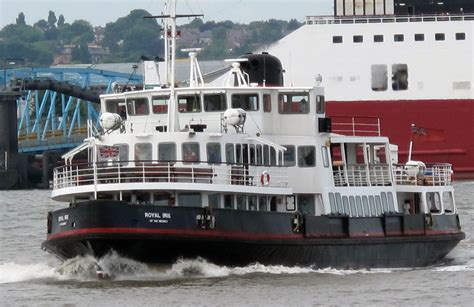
point(242, 237)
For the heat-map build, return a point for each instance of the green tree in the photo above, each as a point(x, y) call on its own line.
point(61, 21)
point(21, 19)
point(41, 25)
point(80, 54)
point(52, 19)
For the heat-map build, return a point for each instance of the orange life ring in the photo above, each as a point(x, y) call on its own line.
point(265, 178)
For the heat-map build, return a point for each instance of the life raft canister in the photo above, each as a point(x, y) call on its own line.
point(265, 178)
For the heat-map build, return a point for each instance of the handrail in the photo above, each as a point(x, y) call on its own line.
point(330, 19)
point(433, 175)
point(118, 172)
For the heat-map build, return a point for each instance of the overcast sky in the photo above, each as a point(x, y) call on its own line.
point(99, 12)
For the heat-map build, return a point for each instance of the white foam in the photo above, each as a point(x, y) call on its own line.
point(12, 272)
point(455, 268)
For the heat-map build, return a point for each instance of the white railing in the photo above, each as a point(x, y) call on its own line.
point(433, 175)
point(356, 175)
point(318, 20)
point(356, 126)
point(155, 171)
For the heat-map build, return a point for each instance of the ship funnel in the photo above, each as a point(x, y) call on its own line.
point(263, 69)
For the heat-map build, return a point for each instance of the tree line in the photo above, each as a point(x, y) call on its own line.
point(132, 36)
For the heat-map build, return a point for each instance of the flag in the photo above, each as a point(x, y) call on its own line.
point(106, 152)
point(420, 134)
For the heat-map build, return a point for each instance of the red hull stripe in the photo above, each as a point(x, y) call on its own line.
point(215, 233)
point(180, 232)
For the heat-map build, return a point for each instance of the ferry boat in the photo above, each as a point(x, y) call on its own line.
point(403, 61)
point(249, 171)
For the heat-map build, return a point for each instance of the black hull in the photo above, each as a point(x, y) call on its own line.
point(154, 234)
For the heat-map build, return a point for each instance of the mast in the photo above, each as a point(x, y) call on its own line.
point(173, 120)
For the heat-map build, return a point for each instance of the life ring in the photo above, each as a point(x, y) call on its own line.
point(265, 178)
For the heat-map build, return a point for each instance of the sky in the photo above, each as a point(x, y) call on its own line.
point(99, 12)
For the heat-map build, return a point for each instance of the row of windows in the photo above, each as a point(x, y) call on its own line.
point(303, 156)
point(288, 103)
point(378, 38)
point(362, 206)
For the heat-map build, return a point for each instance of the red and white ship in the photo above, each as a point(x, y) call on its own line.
point(406, 62)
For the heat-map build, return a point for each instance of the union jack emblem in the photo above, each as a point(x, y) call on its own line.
point(109, 151)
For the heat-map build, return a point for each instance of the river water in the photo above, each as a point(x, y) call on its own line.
point(30, 276)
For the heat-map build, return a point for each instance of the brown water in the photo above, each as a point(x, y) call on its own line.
point(29, 276)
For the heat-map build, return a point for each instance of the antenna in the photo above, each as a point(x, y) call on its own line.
point(236, 77)
point(173, 123)
point(195, 75)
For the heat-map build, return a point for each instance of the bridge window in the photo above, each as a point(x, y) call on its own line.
point(137, 106)
point(306, 204)
point(143, 152)
point(293, 103)
point(213, 152)
point(241, 202)
point(306, 156)
point(228, 201)
point(213, 200)
point(399, 77)
point(248, 102)
point(189, 103)
point(190, 152)
point(262, 203)
point(123, 153)
point(448, 202)
point(116, 106)
point(289, 155)
point(214, 102)
point(189, 199)
point(379, 78)
point(253, 203)
point(266, 155)
point(433, 201)
point(267, 103)
point(259, 155)
point(167, 152)
point(160, 104)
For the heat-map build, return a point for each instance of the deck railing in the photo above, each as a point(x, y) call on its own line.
point(319, 20)
point(356, 126)
point(362, 175)
point(432, 175)
point(172, 172)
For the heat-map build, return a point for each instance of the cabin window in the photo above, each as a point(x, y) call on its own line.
point(160, 104)
point(419, 37)
point(306, 204)
point(384, 202)
point(448, 202)
point(252, 157)
point(241, 202)
point(378, 205)
point(267, 103)
point(365, 205)
point(189, 199)
point(352, 206)
point(332, 203)
point(238, 153)
point(190, 152)
point(373, 209)
point(399, 77)
point(273, 160)
point(228, 201)
point(293, 103)
point(306, 156)
point(433, 202)
point(439, 36)
point(253, 203)
point(143, 152)
point(215, 102)
point(259, 155)
point(143, 197)
point(460, 36)
point(320, 104)
point(358, 39)
point(213, 152)
point(248, 102)
point(189, 103)
point(123, 153)
point(116, 106)
point(345, 205)
point(360, 211)
point(289, 156)
point(262, 203)
point(167, 152)
point(229, 153)
point(378, 38)
point(137, 106)
point(338, 203)
point(213, 200)
point(398, 38)
point(337, 39)
point(324, 154)
point(379, 77)
point(162, 199)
